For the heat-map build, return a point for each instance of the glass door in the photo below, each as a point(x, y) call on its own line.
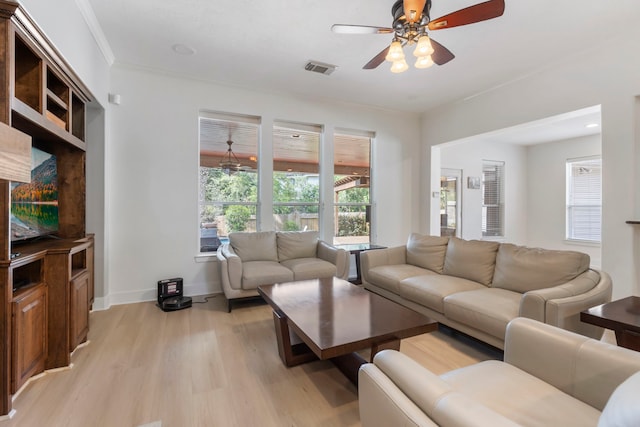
point(450, 202)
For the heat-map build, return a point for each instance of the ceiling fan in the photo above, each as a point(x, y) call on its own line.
point(230, 163)
point(411, 21)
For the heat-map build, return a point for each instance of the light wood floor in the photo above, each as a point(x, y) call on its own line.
point(204, 367)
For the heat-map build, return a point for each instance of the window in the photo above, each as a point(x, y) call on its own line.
point(584, 199)
point(352, 183)
point(492, 199)
point(296, 180)
point(228, 195)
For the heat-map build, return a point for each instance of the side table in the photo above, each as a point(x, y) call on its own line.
point(622, 316)
point(355, 249)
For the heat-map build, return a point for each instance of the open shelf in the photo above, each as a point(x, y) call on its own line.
point(57, 100)
point(28, 75)
point(27, 276)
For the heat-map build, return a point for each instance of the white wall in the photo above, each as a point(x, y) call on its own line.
point(152, 173)
point(468, 156)
point(609, 79)
point(546, 226)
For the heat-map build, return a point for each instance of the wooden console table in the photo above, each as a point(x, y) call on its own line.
point(622, 316)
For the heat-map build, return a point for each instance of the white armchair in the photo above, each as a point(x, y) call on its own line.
point(549, 377)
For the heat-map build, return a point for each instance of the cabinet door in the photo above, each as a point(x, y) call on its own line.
point(29, 335)
point(79, 316)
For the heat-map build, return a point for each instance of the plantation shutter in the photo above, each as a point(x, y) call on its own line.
point(492, 199)
point(584, 199)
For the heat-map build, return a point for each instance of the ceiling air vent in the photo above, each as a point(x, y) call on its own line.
point(320, 67)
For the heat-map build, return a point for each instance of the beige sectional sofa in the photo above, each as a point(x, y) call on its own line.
point(477, 287)
point(263, 258)
point(549, 377)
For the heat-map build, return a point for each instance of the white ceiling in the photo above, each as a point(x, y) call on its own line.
point(264, 45)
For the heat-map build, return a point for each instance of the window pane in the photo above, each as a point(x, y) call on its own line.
point(296, 183)
point(584, 199)
point(228, 177)
point(352, 183)
point(492, 198)
point(352, 224)
point(296, 217)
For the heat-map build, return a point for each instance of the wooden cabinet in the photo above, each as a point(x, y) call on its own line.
point(79, 324)
point(29, 341)
point(46, 291)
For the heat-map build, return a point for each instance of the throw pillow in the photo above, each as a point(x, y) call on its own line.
point(523, 269)
point(471, 259)
point(427, 251)
point(257, 246)
point(297, 244)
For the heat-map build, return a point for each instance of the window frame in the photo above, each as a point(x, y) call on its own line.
point(571, 204)
point(233, 120)
point(368, 206)
point(498, 167)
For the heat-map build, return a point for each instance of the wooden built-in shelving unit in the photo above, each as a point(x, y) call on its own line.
point(46, 288)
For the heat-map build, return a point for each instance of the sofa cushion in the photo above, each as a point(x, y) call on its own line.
point(256, 246)
point(519, 396)
point(523, 269)
point(256, 273)
point(296, 244)
point(431, 289)
point(427, 251)
point(389, 276)
point(487, 309)
point(622, 409)
point(471, 259)
point(310, 268)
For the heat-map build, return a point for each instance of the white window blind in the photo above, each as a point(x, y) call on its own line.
point(584, 199)
point(492, 198)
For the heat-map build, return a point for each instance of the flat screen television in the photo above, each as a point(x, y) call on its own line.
point(34, 205)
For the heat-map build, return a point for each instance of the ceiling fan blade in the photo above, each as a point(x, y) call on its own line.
point(413, 9)
point(376, 60)
point(469, 15)
point(359, 29)
point(441, 55)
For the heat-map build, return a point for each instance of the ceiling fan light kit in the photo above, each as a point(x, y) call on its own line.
point(424, 62)
point(395, 52)
point(411, 20)
point(399, 66)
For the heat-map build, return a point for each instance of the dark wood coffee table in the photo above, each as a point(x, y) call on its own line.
point(622, 316)
point(332, 319)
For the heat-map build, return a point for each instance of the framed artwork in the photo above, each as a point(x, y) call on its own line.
point(473, 182)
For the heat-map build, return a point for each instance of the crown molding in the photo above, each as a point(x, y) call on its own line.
point(96, 30)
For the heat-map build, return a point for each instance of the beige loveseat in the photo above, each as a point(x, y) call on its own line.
point(263, 258)
point(549, 377)
point(477, 287)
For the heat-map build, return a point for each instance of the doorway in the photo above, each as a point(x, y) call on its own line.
point(450, 202)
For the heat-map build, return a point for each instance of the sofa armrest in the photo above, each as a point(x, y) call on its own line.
point(378, 257)
point(395, 387)
point(382, 403)
point(336, 256)
point(230, 267)
point(561, 305)
point(584, 368)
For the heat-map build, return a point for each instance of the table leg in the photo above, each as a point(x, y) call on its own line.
point(386, 345)
point(291, 354)
point(349, 364)
point(628, 339)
